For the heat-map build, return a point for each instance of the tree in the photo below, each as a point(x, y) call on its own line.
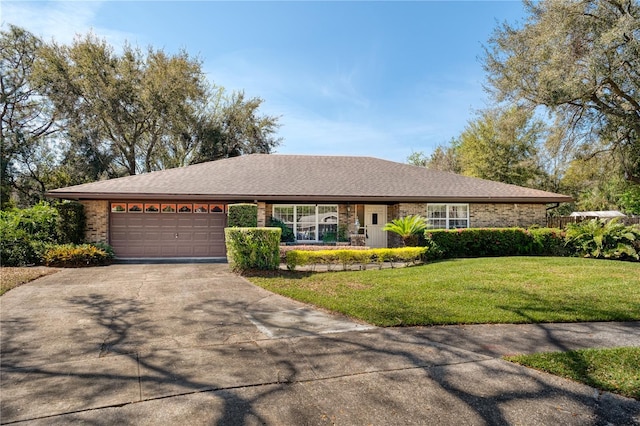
point(581, 61)
point(131, 102)
point(501, 145)
point(26, 116)
point(236, 129)
point(444, 158)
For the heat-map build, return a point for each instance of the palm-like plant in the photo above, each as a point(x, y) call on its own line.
point(604, 239)
point(408, 228)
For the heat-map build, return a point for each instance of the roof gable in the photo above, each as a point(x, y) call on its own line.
point(321, 178)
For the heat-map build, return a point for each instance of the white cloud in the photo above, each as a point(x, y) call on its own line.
point(60, 20)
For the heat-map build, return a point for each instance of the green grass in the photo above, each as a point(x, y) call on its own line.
point(473, 291)
point(615, 370)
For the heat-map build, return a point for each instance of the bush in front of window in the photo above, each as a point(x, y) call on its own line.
point(253, 248)
point(242, 215)
point(287, 235)
point(480, 242)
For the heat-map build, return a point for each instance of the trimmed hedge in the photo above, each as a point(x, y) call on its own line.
point(480, 242)
point(71, 222)
point(287, 235)
point(348, 257)
point(242, 215)
point(253, 248)
point(76, 256)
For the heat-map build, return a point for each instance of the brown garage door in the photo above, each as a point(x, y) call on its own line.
point(152, 230)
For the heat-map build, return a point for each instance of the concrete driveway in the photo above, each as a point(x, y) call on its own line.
point(194, 344)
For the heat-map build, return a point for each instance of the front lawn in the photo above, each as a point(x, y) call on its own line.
point(614, 370)
point(473, 291)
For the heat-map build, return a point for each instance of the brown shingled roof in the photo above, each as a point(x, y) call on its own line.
point(304, 177)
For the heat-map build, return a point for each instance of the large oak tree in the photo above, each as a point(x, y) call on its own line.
point(579, 59)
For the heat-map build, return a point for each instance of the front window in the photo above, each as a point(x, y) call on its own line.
point(309, 222)
point(448, 216)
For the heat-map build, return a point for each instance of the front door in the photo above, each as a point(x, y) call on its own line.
point(375, 217)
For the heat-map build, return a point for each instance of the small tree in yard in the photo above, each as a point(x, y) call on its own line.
point(409, 228)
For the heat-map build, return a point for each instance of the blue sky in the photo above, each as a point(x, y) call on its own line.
point(347, 78)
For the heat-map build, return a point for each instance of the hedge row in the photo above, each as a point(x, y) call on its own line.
point(348, 257)
point(479, 242)
point(252, 248)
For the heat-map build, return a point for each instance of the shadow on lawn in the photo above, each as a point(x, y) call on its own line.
point(305, 377)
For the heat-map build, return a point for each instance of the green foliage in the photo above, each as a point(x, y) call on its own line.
point(604, 239)
point(480, 242)
point(253, 248)
point(501, 145)
point(630, 200)
point(343, 233)
point(71, 222)
point(548, 242)
point(348, 257)
point(408, 228)
point(577, 60)
point(26, 234)
point(75, 256)
point(242, 215)
point(287, 235)
point(16, 248)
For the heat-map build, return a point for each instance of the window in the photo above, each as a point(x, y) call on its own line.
point(309, 222)
point(201, 208)
point(152, 208)
point(448, 216)
point(134, 207)
point(185, 208)
point(168, 208)
point(216, 208)
point(118, 207)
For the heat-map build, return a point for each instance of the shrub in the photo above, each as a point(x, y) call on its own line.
point(348, 257)
point(253, 248)
point(479, 242)
point(548, 242)
point(287, 235)
point(243, 215)
point(603, 239)
point(408, 228)
point(74, 256)
point(71, 222)
point(16, 248)
point(24, 232)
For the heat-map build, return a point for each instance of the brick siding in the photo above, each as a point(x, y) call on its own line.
point(97, 214)
point(507, 215)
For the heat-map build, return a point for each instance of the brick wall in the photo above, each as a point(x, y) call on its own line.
point(507, 215)
point(262, 214)
point(487, 215)
point(97, 213)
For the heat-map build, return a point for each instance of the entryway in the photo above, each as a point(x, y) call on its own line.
point(375, 217)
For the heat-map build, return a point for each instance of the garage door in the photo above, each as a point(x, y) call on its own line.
point(171, 230)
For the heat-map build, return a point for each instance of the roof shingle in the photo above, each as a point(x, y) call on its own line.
point(305, 177)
